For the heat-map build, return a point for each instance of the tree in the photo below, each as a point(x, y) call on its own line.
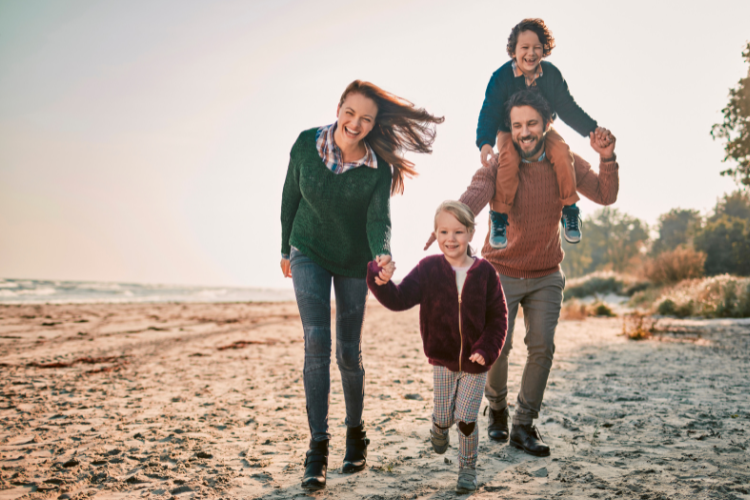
point(726, 242)
point(735, 128)
point(675, 228)
point(734, 204)
point(612, 240)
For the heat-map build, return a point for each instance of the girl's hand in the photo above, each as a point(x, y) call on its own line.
point(477, 358)
point(387, 268)
point(286, 268)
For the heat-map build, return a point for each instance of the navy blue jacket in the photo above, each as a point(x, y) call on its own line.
point(553, 87)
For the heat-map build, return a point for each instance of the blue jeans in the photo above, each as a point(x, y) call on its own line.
point(312, 287)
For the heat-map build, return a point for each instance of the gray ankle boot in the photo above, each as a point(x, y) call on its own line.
point(467, 480)
point(439, 442)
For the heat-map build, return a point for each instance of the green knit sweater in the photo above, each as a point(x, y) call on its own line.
point(340, 221)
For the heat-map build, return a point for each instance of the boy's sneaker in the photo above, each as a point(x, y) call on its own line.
point(439, 442)
point(571, 222)
point(467, 480)
point(498, 237)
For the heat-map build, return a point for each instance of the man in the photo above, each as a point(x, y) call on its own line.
point(529, 267)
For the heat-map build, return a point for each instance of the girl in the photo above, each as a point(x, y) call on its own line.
point(463, 321)
point(335, 217)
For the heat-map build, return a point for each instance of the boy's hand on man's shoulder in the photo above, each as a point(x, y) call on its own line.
point(487, 156)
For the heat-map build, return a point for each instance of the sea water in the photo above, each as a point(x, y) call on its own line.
point(19, 291)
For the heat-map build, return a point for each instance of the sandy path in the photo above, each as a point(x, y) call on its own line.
point(153, 407)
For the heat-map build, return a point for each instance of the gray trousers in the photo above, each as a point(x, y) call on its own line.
point(541, 299)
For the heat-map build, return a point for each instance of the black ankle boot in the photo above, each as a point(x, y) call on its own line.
point(355, 458)
point(316, 465)
point(527, 438)
point(497, 428)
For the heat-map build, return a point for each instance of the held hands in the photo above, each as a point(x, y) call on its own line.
point(603, 142)
point(477, 358)
point(487, 156)
point(286, 268)
point(387, 268)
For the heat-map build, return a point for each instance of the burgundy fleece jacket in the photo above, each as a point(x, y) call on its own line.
point(483, 312)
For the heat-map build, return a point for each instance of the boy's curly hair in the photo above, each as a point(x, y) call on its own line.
point(537, 26)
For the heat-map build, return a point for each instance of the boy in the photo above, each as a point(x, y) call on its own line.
point(530, 41)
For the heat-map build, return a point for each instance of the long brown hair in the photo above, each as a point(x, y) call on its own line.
point(399, 126)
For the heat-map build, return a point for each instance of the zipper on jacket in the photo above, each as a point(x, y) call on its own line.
point(460, 335)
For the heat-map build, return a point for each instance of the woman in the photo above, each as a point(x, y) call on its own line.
point(335, 218)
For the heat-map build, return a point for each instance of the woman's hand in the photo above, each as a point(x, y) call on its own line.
point(477, 358)
point(387, 268)
point(286, 268)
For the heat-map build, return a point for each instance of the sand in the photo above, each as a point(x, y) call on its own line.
point(206, 401)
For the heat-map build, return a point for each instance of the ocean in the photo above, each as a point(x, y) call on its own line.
point(20, 291)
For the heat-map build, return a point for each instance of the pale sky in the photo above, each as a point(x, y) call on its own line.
point(147, 141)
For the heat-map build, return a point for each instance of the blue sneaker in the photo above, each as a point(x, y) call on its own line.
point(571, 222)
point(498, 237)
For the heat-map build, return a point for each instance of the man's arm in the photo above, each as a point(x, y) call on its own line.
point(600, 188)
point(481, 190)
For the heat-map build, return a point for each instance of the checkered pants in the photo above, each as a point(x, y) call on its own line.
point(458, 396)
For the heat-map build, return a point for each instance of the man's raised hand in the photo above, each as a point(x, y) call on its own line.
point(603, 142)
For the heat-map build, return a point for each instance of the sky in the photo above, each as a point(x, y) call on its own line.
point(148, 141)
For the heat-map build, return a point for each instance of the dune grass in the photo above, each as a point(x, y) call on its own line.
point(723, 296)
point(604, 283)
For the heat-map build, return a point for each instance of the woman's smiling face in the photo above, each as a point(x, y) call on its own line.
point(529, 52)
point(356, 119)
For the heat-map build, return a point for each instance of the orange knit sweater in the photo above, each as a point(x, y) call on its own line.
point(534, 248)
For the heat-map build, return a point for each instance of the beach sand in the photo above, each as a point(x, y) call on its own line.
point(206, 401)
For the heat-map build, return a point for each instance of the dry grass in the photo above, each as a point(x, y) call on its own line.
point(674, 266)
point(573, 310)
point(722, 296)
point(638, 326)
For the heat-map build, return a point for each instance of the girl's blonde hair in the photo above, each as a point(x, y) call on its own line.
point(461, 212)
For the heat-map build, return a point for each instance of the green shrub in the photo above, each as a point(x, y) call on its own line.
point(638, 286)
point(594, 284)
point(602, 309)
point(667, 307)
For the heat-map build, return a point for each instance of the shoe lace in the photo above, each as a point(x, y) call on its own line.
point(572, 218)
point(499, 222)
point(535, 432)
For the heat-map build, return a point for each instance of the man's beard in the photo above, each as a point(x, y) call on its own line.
point(534, 152)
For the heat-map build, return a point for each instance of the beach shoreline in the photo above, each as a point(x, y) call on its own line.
point(205, 400)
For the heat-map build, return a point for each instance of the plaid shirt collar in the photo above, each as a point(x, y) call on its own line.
point(330, 153)
point(530, 82)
